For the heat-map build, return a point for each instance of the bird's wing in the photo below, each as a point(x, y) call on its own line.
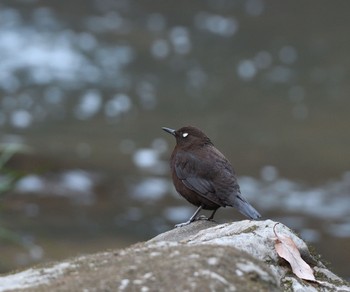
point(212, 178)
point(197, 175)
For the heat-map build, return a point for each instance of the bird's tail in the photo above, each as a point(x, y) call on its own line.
point(246, 209)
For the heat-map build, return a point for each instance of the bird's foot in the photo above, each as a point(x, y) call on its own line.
point(201, 217)
point(212, 220)
point(183, 224)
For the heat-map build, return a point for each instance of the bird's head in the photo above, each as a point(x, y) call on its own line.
point(188, 136)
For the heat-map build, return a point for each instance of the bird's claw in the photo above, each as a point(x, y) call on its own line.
point(201, 217)
point(183, 224)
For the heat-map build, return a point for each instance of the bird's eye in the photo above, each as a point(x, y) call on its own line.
point(184, 135)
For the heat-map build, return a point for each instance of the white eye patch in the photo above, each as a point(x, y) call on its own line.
point(184, 135)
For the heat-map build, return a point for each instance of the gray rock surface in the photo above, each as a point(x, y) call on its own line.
point(202, 256)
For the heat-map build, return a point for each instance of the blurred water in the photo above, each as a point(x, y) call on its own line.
point(89, 89)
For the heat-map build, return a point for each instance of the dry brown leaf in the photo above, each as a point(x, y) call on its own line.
point(287, 249)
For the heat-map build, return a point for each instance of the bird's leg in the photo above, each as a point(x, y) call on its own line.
point(193, 218)
point(212, 215)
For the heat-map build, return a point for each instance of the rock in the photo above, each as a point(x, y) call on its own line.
point(202, 256)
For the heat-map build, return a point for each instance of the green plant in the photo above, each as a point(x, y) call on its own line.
point(8, 178)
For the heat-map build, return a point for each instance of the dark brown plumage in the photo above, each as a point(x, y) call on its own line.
point(203, 176)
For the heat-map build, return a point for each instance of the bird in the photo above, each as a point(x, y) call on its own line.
point(203, 176)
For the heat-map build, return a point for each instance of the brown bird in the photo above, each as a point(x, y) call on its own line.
point(203, 175)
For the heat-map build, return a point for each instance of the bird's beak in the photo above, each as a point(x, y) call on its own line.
point(170, 131)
